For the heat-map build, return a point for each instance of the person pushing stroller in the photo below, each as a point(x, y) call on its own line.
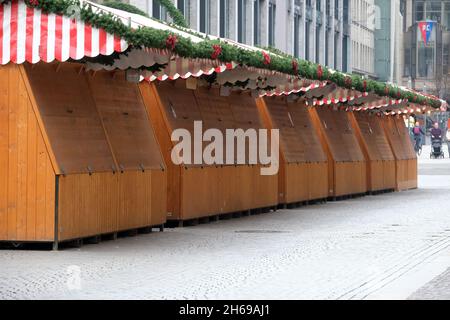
point(436, 132)
point(436, 141)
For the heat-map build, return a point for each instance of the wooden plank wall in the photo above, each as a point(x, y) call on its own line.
point(375, 146)
point(71, 118)
point(160, 121)
point(125, 121)
point(406, 160)
point(128, 200)
point(313, 154)
point(303, 163)
point(408, 149)
point(27, 176)
point(113, 175)
point(259, 190)
point(201, 190)
point(347, 167)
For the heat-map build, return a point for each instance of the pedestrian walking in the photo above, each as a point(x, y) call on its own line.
point(447, 136)
point(417, 134)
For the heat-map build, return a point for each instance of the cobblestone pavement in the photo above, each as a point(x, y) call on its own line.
point(437, 289)
point(339, 250)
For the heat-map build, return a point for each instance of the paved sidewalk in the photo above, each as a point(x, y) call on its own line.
point(437, 289)
point(351, 249)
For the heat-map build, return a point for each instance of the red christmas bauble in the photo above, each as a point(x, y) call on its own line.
point(295, 66)
point(348, 82)
point(319, 71)
point(171, 41)
point(217, 50)
point(266, 58)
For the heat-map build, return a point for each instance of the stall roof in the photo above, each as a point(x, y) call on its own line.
point(135, 21)
point(29, 34)
point(76, 29)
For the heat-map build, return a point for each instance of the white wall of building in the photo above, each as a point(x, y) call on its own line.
point(397, 42)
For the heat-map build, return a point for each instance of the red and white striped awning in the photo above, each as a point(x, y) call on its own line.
point(195, 71)
point(185, 68)
point(296, 86)
point(382, 103)
point(172, 66)
point(338, 96)
point(28, 34)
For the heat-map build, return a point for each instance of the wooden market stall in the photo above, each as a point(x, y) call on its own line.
point(403, 150)
point(199, 190)
point(79, 158)
point(346, 162)
point(376, 149)
point(89, 103)
point(303, 163)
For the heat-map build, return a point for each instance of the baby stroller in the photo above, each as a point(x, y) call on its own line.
point(436, 149)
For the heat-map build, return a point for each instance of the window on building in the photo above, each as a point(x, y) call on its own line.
point(272, 9)
point(328, 7)
point(403, 7)
point(425, 61)
point(224, 18)
point(317, 44)
point(420, 10)
point(156, 9)
point(353, 52)
point(257, 22)
point(336, 9)
point(307, 27)
point(297, 35)
point(327, 47)
point(446, 15)
point(318, 5)
point(355, 61)
point(363, 19)
point(407, 63)
point(181, 6)
point(241, 20)
point(445, 61)
point(345, 41)
point(336, 40)
point(345, 11)
point(367, 60)
point(204, 15)
point(366, 57)
point(308, 3)
point(433, 5)
point(433, 10)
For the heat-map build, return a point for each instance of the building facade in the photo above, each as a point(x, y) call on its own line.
point(316, 30)
point(426, 46)
point(363, 15)
point(389, 40)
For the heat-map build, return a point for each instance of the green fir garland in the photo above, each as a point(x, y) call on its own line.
point(124, 7)
point(155, 38)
